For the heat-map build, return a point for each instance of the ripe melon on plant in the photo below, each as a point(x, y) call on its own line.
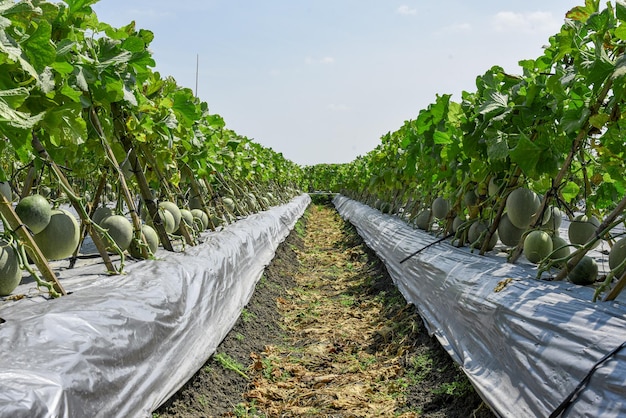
point(424, 219)
point(476, 230)
point(229, 204)
point(440, 208)
point(556, 217)
point(470, 198)
point(187, 218)
point(582, 229)
point(35, 212)
point(456, 223)
point(537, 246)
point(174, 210)
point(521, 206)
point(100, 213)
point(120, 229)
point(585, 272)
point(494, 186)
point(510, 235)
point(168, 220)
point(200, 217)
point(152, 239)
point(559, 244)
point(617, 255)
point(61, 237)
point(10, 273)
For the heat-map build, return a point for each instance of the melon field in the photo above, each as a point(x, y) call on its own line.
point(155, 262)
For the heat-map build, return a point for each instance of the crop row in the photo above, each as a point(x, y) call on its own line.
point(519, 151)
point(86, 122)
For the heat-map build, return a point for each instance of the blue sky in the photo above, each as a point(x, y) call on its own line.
point(322, 80)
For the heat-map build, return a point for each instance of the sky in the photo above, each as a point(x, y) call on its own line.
point(321, 81)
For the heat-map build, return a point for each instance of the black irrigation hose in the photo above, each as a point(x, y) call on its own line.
point(571, 398)
point(423, 248)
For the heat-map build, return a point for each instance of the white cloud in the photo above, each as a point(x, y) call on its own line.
point(406, 10)
point(338, 107)
point(525, 22)
point(323, 60)
point(457, 27)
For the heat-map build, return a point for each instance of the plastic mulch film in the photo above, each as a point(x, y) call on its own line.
point(120, 346)
point(526, 345)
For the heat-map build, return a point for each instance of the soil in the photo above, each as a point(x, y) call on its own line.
point(327, 334)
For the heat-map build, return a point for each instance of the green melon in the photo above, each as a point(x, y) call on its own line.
point(168, 220)
point(61, 237)
point(120, 229)
point(537, 246)
point(585, 272)
point(100, 213)
point(617, 255)
point(229, 204)
point(510, 235)
point(174, 210)
point(494, 186)
point(470, 198)
point(186, 217)
point(424, 219)
point(10, 273)
point(554, 221)
point(582, 229)
point(35, 212)
point(456, 223)
point(558, 242)
point(203, 218)
point(440, 208)
point(521, 206)
point(476, 230)
point(166, 217)
point(152, 239)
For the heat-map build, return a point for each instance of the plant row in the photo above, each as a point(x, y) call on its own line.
point(94, 142)
point(517, 156)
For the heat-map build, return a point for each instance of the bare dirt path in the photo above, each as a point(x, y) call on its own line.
point(327, 334)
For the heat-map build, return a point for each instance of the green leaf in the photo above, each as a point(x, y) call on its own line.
point(65, 125)
point(441, 138)
point(16, 119)
point(570, 191)
point(80, 5)
point(38, 47)
point(497, 148)
point(526, 155)
point(498, 103)
point(574, 119)
point(582, 13)
point(620, 10)
point(134, 44)
point(599, 120)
